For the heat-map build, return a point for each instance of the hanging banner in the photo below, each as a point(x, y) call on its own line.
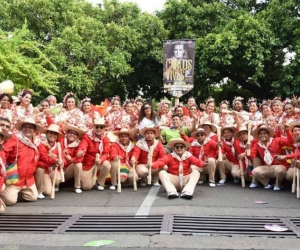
point(179, 57)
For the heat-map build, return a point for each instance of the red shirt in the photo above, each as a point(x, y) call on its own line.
point(210, 150)
point(116, 150)
point(90, 149)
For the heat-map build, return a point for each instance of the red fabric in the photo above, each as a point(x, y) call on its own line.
point(26, 163)
point(116, 150)
point(173, 164)
point(141, 155)
point(210, 150)
point(69, 151)
point(90, 149)
point(275, 148)
point(2, 179)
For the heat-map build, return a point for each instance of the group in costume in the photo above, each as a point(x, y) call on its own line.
point(119, 145)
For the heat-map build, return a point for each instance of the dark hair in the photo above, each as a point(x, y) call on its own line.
point(5, 119)
point(175, 115)
point(142, 114)
point(9, 97)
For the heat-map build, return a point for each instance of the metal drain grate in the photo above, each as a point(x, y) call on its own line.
point(230, 226)
point(117, 224)
point(296, 221)
point(41, 223)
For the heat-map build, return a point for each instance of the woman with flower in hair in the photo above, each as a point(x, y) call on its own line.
point(165, 115)
point(277, 108)
point(88, 113)
point(267, 117)
point(114, 115)
point(290, 114)
point(43, 117)
point(129, 118)
point(5, 106)
point(209, 113)
point(225, 117)
point(256, 116)
point(238, 106)
point(70, 115)
point(138, 103)
point(193, 110)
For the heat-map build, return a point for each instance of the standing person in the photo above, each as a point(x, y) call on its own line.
point(6, 102)
point(277, 108)
point(147, 117)
point(267, 117)
point(121, 151)
point(89, 115)
point(3, 137)
point(51, 157)
point(179, 176)
point(95, 142)
point(165, 114)
point(184, 119)
point(268, 149)
point(129, 118)
point(114, 115)
point(70, 115)
point(141, 154)
point(205, 149)
point(256, 116)
point(72, 164)
point(52, 100)
point(238, 106)
point(23, 149)
point(209, 114)
point(225, 117)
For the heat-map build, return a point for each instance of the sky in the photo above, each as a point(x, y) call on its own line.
point(145, 5)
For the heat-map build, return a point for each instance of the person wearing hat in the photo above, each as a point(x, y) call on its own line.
point(121, 150)
point(179, 176)
point(210, 130)
point(50, 154)
point(141, 152)
point(177, 130)
point(72, 163)
point(205, 149)
point(268, 149)
point(3, 137)
point(95, 142)
point(23, 149)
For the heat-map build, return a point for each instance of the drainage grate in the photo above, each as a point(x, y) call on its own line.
point(41, 223)
point(230, 226)
point(117, 224)
point(296, 221)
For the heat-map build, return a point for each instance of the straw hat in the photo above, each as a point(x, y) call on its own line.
point(294, 124)
point(129, 132)
point(232, 128)
point(53, 128)
point(237, 133)
point(263, 127)
point(155, 130)
point(213, 126)
point(5, 135)
point(27, 120)
point(68, 128)
point(100, 121)
point(198, 131)
point(174, 141)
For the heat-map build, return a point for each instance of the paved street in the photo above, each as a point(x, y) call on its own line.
point(223, 201)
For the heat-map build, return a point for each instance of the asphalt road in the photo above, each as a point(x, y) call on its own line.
point(230, 200)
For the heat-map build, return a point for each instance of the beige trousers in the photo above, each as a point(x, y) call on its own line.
point(114, 174)
point(10, 194)
point(74, 171)
point(228, 166)
point(265, 173)
point(210, 169)
point(44, 181)
point(2, 204)
point(290, 174)
point(142, 171)
point(87, 176)
point(172, 182)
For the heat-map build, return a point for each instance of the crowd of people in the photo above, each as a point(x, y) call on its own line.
point(178, 147)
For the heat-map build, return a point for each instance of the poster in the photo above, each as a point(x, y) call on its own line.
point(178, 68)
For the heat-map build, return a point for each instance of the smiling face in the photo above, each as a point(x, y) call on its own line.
point(179, 149)
point(26, 99)
point(210, 108)
point(263, 135)
point(72, 136)
point(129, 108)
point(115, 106)
point(222, 107)
point(266, 110)
point(99, 130)
point(227, 134)
point(51, 136)
point(164, 108)
point(86, 108)
point(243, 135)
point(289, 109)
point(71, 103)
point(178, 51)
point(253, 107)
point(238, 106)
point(277, 107)
point(5, 103)
point(124, 139)
point(201, 137)
point(28, 130)
point(5, 126)
point(179, 111)
point(149, 135)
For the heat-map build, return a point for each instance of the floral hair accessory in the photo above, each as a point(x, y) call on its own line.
point(86, 99)
point(237, 99)
point(252, 99)
point(164, 101)
point(287, 101)
point(180, 105)
point(209, 100)
point(24, 92)
point(138, 99)
point(224, 102)
point(115, 98)
point(68, 95)
point(127, 102)
point(266, 103)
